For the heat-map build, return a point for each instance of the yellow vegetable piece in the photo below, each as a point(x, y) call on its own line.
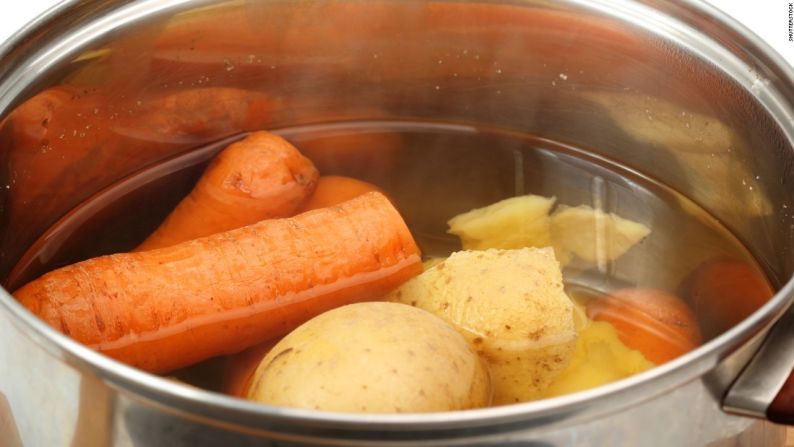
point(517, 222)
point(594, 235)
point(510, 306)
point(600, 358)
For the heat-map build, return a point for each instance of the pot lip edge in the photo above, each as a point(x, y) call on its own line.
point(200, 403)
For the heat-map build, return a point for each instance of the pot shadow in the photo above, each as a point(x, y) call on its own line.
point(147, 428)
point(9, 433)
point(94, 425)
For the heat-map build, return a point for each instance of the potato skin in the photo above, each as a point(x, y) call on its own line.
point(510, 306)
point(373, 357)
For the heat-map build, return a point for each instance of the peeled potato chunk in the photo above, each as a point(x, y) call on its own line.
point(593, 235)
point(510, 306)
point(516, 222)
point(599, 358)
point(375, 358)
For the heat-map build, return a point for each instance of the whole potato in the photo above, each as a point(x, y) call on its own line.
point(373, 357)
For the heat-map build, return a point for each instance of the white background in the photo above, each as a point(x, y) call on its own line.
point(767, 18)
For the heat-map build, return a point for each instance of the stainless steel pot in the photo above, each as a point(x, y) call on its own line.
point(624, 78)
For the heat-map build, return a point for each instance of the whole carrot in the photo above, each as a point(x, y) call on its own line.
point(168, 308)
point(259, 177)
point(725, 291)
point(334, 189)
point(331, 190)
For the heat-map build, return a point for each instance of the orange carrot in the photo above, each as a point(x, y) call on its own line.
point(168, 308)
point(333, 190)
point(259, 177)
point(70, 141)
point(53, 143)
point(365, 155)
point(658, 324)
point(724, 292)
point(193, 115)
point(239, 368)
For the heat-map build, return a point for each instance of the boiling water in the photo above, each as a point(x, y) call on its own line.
point(432, 171)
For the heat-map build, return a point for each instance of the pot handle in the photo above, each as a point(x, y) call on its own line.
point(765, 388)
point(781, 410)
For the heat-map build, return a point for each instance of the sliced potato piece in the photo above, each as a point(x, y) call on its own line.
point(593, 235)
point(516, 222)
point(600, 358)
point(510, 305)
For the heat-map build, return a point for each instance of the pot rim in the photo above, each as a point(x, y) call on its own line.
point(219, 409)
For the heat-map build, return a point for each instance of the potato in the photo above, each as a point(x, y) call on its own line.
point(599, 358)
point(376, 358)
point(593, 235)
point(516, 222)
point(510, 305)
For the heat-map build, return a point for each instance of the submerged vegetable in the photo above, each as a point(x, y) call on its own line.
point(238, 369)
point(510, 306)
point(656, 323)
point(335, 189)
point(599, 358)
point(376, 358)
point(168, 308)
point(259, 177)
point(516, 222)
point(724, 291)
point(525, 221)
point(593, 235)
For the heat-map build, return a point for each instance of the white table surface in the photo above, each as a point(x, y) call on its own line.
point(767, 18)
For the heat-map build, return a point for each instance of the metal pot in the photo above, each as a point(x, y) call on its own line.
point(577, 71)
